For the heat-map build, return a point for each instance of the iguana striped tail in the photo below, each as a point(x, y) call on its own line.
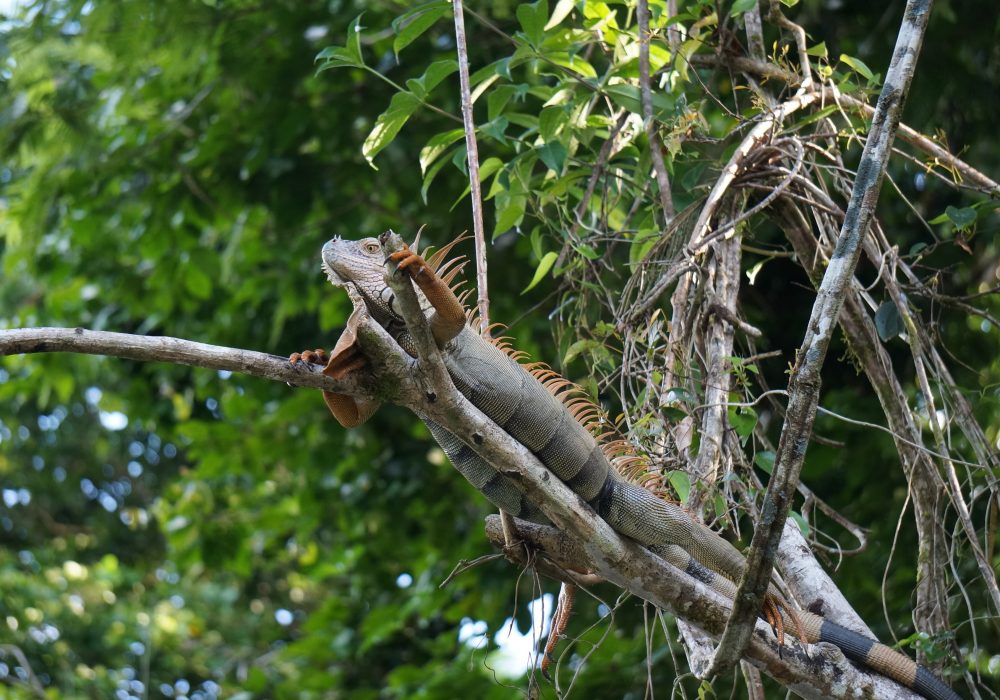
point(855, 646)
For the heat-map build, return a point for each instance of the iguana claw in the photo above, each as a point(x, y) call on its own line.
point(406, 259)
point(313, 357)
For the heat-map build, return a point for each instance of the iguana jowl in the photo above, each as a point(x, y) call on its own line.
point(531, 412)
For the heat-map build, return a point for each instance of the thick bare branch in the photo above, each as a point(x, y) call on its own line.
point(668, 588)
point(804, 384)
point(723, 283)
point(147, 348)
point(926, 488)
point(749, 145)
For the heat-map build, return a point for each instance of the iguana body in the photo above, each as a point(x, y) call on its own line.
point(533, 413)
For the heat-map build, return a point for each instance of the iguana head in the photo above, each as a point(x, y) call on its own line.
point(358, 262)
point(359, 266)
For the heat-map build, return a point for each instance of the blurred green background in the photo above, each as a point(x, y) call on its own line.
point(173, 167)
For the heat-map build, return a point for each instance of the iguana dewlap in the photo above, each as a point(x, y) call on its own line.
point(526, 401)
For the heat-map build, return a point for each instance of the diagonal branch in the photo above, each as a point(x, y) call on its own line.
point(829, 674)
point(595, 545)
point(804, 384)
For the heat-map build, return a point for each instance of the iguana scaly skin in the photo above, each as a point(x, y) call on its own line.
point(533, 414)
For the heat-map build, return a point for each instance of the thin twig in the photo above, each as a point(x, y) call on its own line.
point(775, 15)
point(472, 157)
point(466, 564)
point(32, 683)
point(478, 229)
point(652, 134)
point(942, 157)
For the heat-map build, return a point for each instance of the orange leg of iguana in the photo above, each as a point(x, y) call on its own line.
point(773, 617)
point(348, 411)
point(449, 314)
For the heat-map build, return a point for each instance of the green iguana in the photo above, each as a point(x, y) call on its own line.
point(541, 410)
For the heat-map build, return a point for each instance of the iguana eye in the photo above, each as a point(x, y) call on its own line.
point(372, 247)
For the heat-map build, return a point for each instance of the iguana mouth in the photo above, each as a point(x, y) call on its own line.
point(335, 279)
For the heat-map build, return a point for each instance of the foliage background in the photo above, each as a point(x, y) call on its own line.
point(172, 167)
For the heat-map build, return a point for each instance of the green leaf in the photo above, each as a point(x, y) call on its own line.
point(641, 244)
point(497, 100)
point(687, 49)
point(486, 168)
point(572, 62)
point(429, 177)
point(579, 347)
point(681, 481)
point(819, 50)
point(388, 124)
point(673, 413)
point(435, 73)
point(560, 12)
point(765, 460)
point(742, 6)
point(532, 18)
point(348, 55)
point(888, 322)
point(495, 129)
point(510, 213)
point(438, 144)
point(553, 155)
point(962, 218)
point(801, 522)
point(410, 26)
point(502, 68)
point(550, 121)
point(628, 96)
point(858, 65)
point(743, 419)
point(256, 681)
point(817, 115)
point(460, 159)
point(544, 265)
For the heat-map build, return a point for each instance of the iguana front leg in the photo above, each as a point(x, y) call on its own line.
point(346, 357)
point(448, 318)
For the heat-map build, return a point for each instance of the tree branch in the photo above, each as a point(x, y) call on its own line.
point(810, 671)
point(590, 541)
point(147, 348)
point(907, 134)
point(594, 544)
point(655, 146)
point(805, 382)
point(472, 157)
